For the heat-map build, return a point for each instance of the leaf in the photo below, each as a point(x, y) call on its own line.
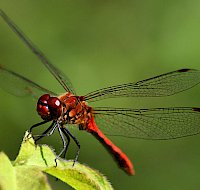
point(20, 177)
point(80, 177)
point(7, 173)
point(31, 178)
point(42, 158)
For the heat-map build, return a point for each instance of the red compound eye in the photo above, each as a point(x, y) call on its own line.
point(49, 107)
point(54, 107)
point(44, 98)
point(42, 107)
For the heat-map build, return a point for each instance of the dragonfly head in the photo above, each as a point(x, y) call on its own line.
point(48, 107)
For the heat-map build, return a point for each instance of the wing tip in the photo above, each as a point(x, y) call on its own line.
point(184, 70)
point(196, 109)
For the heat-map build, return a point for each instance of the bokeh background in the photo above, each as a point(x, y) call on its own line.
point(98, 44)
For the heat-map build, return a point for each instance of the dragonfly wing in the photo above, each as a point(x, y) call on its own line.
point(19, 85)
point(162, 85)
point(157, 123)
point(60, 77)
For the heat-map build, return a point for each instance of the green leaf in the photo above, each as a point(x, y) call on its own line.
point(31, 178)
point(20, 177)
point(33, 159)
point(80, 176)
point(7, 173)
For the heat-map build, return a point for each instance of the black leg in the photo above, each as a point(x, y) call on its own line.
point(68, 141)
point(77, 143)
point(46, 132)
point(36, 125)
point(65, 144)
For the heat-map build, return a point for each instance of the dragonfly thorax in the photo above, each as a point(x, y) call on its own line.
point(75, 109)
point(48, 107)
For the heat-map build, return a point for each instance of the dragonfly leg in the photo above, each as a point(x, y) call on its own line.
point(46, 133)
point(65, 144)
point(76, 141)
point(36, 125)
point(68, 141)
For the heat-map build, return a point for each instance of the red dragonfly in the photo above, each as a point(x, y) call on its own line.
point(69, 108)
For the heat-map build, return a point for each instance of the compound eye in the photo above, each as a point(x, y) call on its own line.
point(43, 108)
point(55, 107)
point(44, 98)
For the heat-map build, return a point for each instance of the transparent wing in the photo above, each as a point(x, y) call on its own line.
point(19, 85)
point(157, 123)
point(60, 77)
point(162, 85)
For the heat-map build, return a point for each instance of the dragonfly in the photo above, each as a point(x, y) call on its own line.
point(61, 110)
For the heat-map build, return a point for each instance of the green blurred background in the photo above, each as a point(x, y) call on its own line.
point(98, 44)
